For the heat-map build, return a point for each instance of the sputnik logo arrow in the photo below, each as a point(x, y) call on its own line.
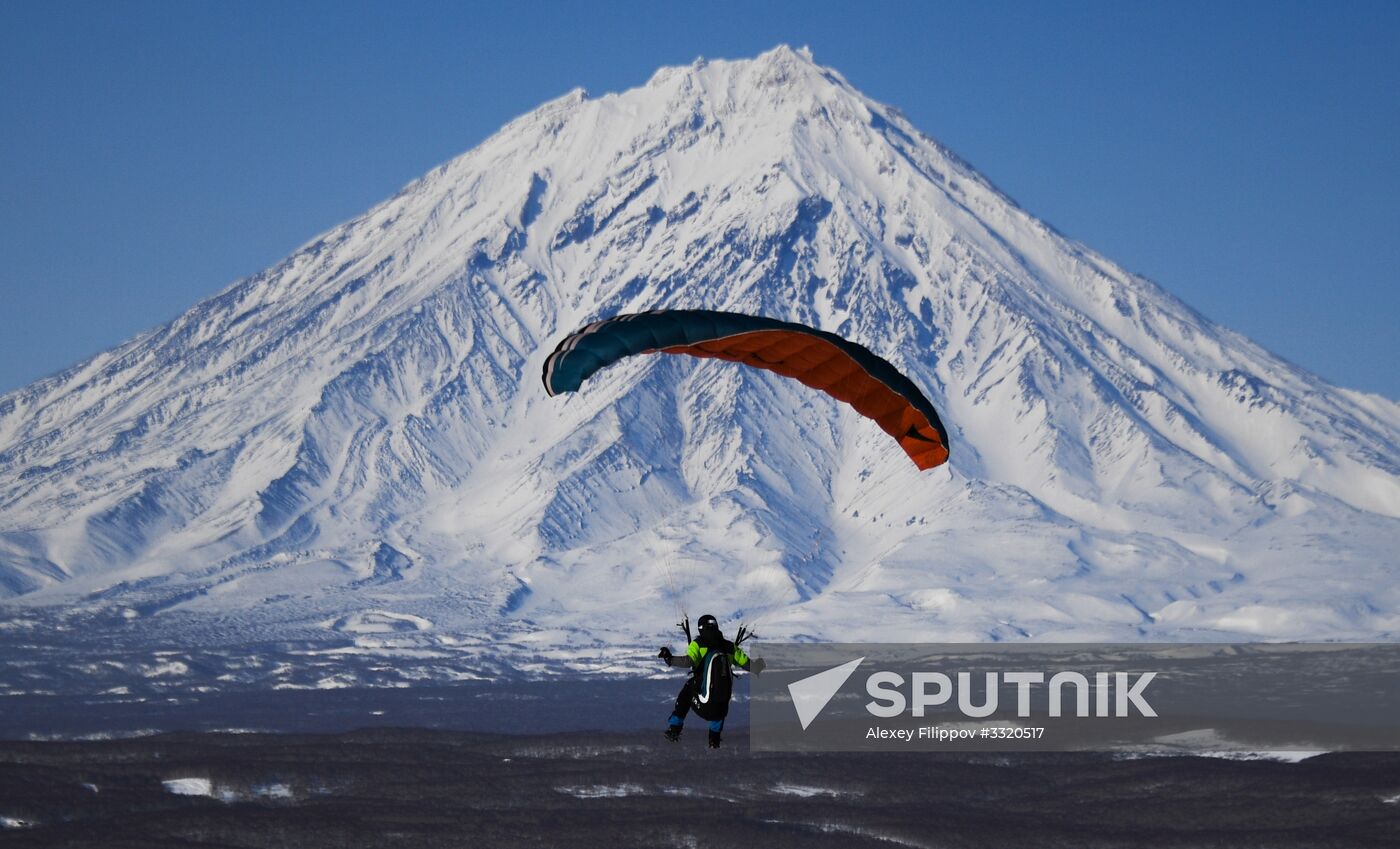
point(810, 694)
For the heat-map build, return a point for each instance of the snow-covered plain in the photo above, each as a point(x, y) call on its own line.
point(344, 469)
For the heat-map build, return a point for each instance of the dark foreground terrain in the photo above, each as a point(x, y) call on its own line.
point(389, 787)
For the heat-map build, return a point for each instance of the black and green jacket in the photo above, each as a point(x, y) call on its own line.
point(696, 651)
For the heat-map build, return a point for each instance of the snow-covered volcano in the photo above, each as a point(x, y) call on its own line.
point(356, 440)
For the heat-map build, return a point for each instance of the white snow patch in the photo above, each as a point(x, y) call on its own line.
point(379, 622)
point(1211, 743)
point(1291, 756)
point(273, 791)
point(602, 791)
point(807, 791)
point(189, 786)
point(163, 670)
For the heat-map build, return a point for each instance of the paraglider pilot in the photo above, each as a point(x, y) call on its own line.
point(710, 659)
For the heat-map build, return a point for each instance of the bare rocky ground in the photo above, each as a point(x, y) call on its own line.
point(432, 788)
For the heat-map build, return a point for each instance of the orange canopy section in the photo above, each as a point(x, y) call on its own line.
point(822, 365)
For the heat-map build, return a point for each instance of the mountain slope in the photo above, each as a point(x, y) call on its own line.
point(356, 440)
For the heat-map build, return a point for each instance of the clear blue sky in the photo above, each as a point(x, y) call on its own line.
point(1244, 155)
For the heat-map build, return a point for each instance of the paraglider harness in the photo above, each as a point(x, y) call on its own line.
point(712, 682)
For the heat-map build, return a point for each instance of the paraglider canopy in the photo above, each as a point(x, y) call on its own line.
point(843, 369)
